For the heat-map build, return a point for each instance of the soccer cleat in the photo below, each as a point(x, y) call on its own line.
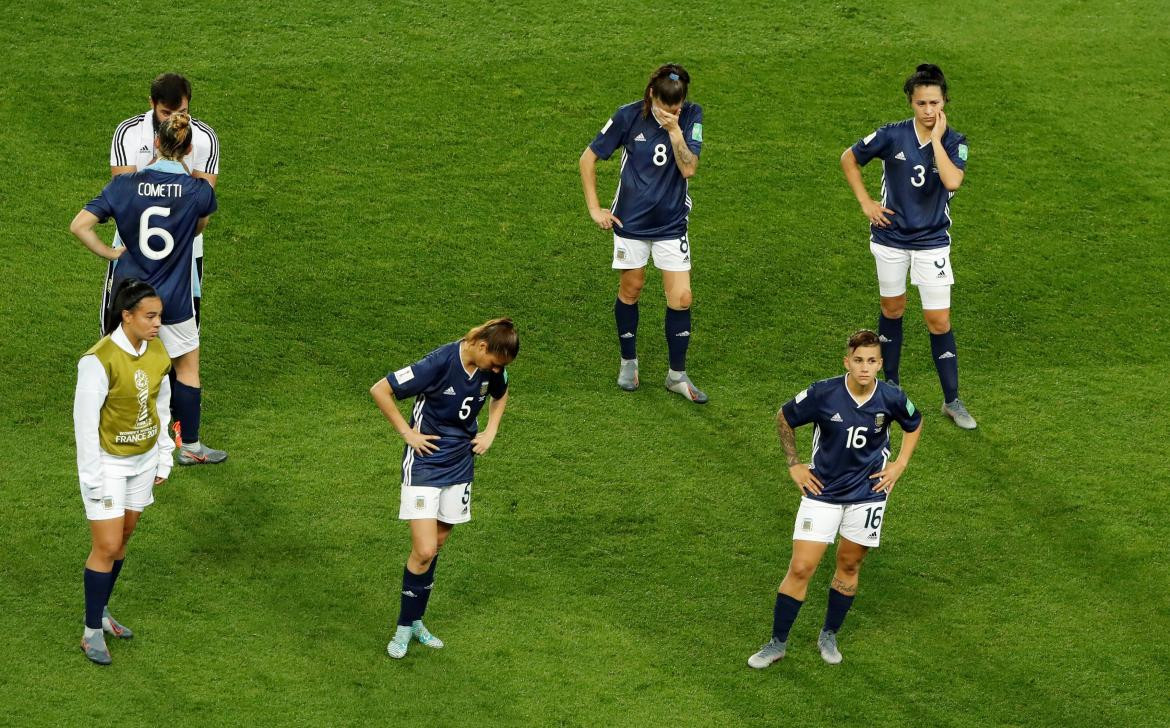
point(828, 644)
point(419, 631)
point(684, 386)
point(201, 455)
point(95, 649)
point(769, 653)
point(957, 411)
point(397, 646)
point(628, 375)
point(111, 626)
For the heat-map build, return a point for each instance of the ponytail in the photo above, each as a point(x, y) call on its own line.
point(174, 136)
point(500, 335)
point(927, 74)
point(130, 293)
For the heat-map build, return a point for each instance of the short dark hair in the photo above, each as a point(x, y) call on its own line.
point(169, 89)
point(669, 84)
point(927, 74)
point(130, 293)
point(862, 337)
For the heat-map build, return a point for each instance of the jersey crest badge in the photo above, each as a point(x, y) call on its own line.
point(880, 420)
point(483, 389)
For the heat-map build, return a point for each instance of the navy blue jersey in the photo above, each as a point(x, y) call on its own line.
point(911, 186)
point(447, 401)
point(651, 198)
point(851, 440)
point(156, 211)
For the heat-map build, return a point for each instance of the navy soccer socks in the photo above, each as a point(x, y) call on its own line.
point(838, 607)
point(626, 316)
point(783, 615)
point(890, 336)
point(98, 585)
point(186, 403)
point(946, 361)
point(678, 337)
point(416, 592)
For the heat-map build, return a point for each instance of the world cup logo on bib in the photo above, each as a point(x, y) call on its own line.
point(142, 384)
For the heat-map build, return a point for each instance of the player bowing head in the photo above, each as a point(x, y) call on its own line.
point(843, 489)
point(120, 413)
point(450, 386)
point(924, 162)
point(158, 212)
point(661, 137)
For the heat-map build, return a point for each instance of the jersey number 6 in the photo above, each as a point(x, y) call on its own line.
point(146, 232)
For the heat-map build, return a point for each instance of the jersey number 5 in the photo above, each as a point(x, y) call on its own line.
point(146, 232)
point(465, 408)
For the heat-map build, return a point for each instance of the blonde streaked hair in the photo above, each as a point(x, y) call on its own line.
point(174, 136)
point(500, 335)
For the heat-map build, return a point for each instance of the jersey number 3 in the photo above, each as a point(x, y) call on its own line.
point(146, 232)
point(920, 179)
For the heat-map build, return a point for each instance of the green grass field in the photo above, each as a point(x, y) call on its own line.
point(393, 175)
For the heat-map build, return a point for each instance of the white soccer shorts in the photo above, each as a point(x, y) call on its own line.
point(180, 338)
point(671, 255)
point(861, 523)
point(118, 494)
point(446, 503)
point(930, 270)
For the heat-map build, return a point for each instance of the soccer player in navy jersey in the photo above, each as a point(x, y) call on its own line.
point(449, 386)
point(158, 212)
point(661, 137)
point(844, 487)
point(923, 165)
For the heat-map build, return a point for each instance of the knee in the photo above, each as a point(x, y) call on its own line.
point(630, 291)
point(849, 567)
point(938, 322)
point(802, 570)
point(107, 548)
point(894, 307)
point(425, 554)
point(679, 300)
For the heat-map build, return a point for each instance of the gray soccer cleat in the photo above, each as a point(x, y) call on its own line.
point(628, 375)
point(203, 455)
point(684, 386)
point(95, 649)
point(423, 635)
point(828, 644)
point(111, 626)
point(957, 411)
point(399, 643)
point(769, 653)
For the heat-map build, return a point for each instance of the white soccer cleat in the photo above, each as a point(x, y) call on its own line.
point(769, 653)
point(957, 411)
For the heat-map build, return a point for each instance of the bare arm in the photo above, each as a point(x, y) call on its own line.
point(949, 174)
point(115, 171)
point(202, 224)
point(686, 160)
point(82, 228)
point(384, 397)
point(800, 473)
point(483, 440)
point(588, 165)
point(211, 178)
point(889, 475)
point(872, 209)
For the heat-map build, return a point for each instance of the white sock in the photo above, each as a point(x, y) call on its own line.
point(677, 375)
point(91, 633)
point(192, 445)
point(627, 361)
point(402, 634)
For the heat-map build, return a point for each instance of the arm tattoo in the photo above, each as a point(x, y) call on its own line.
point(844, 588)
point(683, 152)
point(787, 439)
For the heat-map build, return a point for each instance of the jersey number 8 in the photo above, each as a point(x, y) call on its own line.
point(660, 154)
point(146, 232)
